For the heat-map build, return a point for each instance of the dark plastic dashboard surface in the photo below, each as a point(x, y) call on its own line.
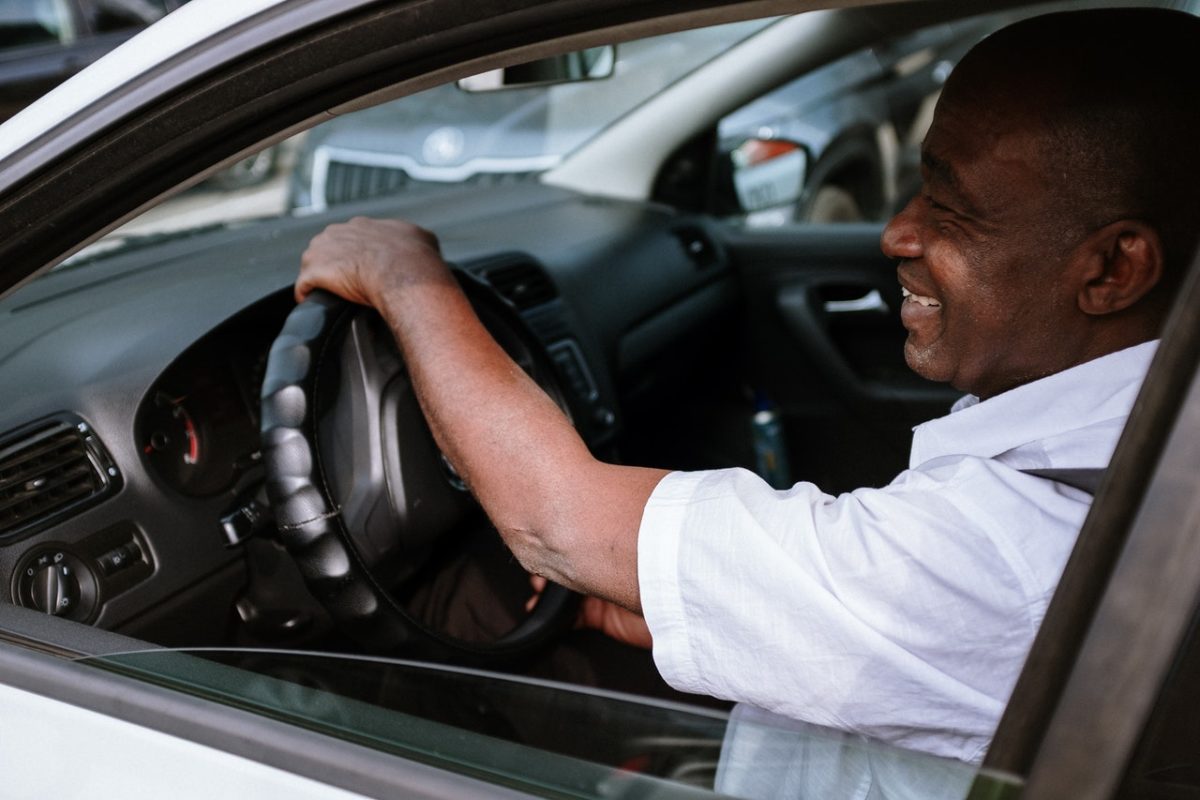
point(160, 349)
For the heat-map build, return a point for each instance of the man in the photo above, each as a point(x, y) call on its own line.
point(1057, 214)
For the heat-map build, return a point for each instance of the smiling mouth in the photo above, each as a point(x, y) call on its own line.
point(919, 299)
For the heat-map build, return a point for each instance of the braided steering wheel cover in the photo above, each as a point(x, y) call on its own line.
point(311, 528)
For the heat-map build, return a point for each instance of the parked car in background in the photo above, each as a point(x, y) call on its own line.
point(44, 42)
point(453, 134)
point(860, 122)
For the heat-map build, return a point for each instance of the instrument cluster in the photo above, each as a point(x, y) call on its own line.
point(198, 427)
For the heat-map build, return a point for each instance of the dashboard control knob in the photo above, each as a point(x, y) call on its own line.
point(56, 581)
point(55, 589)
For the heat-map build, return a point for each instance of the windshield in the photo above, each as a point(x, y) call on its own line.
point(443, 138)
point(449, 135)
point(544, 737)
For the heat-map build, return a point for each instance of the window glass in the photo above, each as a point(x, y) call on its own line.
point(1167, 763)
point(446, 136)
point(544, 737)
point(119, 15)
point(440, 141)
point(33, 22)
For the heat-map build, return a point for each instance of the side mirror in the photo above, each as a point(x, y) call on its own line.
point(592, 64)
point(768, 173)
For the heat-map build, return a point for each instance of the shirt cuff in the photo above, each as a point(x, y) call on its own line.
point(660, 538)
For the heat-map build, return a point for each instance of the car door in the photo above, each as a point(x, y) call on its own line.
point(826, 347)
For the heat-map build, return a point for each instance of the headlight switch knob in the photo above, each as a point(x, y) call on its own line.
point(58, 582)
point(55, 589)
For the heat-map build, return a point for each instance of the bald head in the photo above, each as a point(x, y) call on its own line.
point(1059, 200)
point(1117, 107)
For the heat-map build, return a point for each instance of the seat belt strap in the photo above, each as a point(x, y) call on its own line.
point(1086, 479)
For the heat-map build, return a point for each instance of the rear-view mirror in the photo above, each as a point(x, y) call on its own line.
point(592, 64)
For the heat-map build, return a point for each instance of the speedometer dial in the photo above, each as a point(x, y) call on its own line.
point(171, 441)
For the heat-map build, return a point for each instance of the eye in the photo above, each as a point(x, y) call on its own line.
point(936, 206)
point(944, 218)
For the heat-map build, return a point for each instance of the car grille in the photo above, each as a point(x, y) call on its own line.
point(347, 182)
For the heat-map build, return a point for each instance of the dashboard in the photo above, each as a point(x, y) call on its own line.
point(150, 362)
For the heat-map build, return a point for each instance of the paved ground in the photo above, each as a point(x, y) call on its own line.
point(204, 205)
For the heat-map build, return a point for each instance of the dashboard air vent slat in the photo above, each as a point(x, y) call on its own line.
point(523, 283)
point(73, 482)
point(47, 471)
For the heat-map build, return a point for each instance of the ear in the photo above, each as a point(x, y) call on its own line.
point(1121, 263)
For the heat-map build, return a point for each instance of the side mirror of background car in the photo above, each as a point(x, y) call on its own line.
point(767, 173)
point(592, 64)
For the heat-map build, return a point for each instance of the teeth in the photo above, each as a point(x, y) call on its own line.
point(928, 302)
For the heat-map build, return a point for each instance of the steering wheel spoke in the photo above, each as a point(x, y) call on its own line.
point(377, 454)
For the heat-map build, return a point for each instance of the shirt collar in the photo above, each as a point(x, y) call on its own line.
point(1092, 392)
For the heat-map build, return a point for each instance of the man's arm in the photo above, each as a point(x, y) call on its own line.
point(565, 515)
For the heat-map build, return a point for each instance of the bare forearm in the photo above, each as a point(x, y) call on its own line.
point(564, 514)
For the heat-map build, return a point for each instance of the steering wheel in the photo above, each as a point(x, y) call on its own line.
point(360, 492)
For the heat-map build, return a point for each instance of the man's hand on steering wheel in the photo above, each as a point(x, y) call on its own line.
point(363, 259)
point(601, 615)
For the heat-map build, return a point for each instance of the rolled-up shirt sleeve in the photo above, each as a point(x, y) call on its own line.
point(901, 613)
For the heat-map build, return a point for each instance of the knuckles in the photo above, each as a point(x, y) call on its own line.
point(354, 257)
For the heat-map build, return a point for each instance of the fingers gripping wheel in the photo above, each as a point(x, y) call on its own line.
point(357, 485)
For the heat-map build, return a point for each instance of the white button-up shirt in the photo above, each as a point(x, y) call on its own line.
point(902, 613)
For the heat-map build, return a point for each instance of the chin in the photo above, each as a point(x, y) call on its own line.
point(925, 362)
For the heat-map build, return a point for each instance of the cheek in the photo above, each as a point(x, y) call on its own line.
point(981, 308)
point(976, 277)
point(955, 274)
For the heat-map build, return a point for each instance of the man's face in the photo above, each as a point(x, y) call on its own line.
point(981, 252)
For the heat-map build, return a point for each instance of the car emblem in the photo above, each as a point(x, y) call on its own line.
point(443, 146)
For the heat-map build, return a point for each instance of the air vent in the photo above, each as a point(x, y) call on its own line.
point(524, 284)
point(49, 471)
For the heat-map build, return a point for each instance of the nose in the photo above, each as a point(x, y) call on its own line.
point(901, 237)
